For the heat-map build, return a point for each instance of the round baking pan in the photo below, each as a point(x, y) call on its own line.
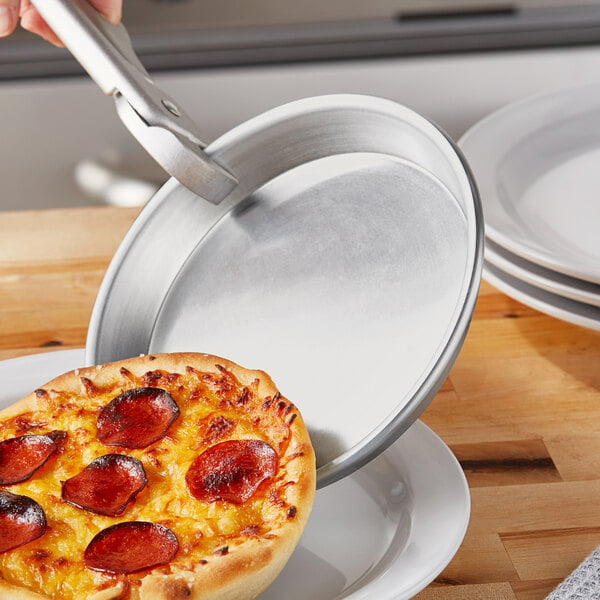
point(346, 264)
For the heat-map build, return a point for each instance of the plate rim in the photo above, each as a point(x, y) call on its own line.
point(541, 277)
point(434, 438)
point(532, 252)
point(548, 303)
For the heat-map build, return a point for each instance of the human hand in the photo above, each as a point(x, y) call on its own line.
point(12, 10)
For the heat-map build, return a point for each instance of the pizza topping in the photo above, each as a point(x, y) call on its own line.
point(231, 471)
point(25, 422)
point(243, 397)
point(235, 454)
point(215, 430)
point(22, 520)
point(21, 457)
point(130, 547)
point(137, 418)
point(89, 386)
point(250, 530)
point(127, 374)
point(107, 485)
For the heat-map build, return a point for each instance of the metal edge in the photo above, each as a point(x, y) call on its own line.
point(426, 392)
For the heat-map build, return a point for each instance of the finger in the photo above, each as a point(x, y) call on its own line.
point(25, 6)
point(110, 9)
point(9, 16)
point(32, 21)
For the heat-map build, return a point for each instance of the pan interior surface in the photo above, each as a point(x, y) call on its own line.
point(342, 278)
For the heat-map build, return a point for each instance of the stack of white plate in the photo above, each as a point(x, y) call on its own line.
point(537, 165)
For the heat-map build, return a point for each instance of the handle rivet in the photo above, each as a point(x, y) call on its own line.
point(171, 107)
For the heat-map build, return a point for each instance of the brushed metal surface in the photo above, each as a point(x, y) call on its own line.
point(340, 278)
point(345, 264)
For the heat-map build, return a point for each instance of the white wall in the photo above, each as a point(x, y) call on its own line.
point(47, 127)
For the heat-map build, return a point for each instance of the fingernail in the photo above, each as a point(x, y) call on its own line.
point(8, 20)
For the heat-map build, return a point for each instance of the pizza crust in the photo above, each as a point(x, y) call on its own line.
point(246, 569)
point(12, 592)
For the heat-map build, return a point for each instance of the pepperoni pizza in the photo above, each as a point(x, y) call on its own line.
point(162, 477)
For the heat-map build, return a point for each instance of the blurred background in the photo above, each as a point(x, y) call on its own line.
point(453, 61)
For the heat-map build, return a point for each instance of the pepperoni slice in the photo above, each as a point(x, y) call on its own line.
point(107, 485)
point(130, 547)
point(137, 418)
point(22, 520)
point(231, 471)
point(21, 457)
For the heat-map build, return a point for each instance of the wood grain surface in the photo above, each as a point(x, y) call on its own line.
point(520, 409)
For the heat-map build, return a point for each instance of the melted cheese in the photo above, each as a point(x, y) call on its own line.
point(214, 407)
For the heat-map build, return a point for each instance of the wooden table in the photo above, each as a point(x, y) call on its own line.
point(521, 408)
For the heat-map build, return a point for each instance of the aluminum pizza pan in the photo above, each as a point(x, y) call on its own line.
point(346, 264)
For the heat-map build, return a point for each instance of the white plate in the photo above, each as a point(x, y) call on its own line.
point(22, 375)
point(384, 532)
point(536, 166)
point(546, 279)
point(565, 309)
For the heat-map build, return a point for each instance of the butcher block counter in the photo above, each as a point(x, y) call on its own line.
point(520, 409)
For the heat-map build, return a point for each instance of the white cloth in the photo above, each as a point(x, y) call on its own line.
point(583, 583)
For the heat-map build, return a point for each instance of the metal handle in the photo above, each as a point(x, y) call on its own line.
point(164, 129)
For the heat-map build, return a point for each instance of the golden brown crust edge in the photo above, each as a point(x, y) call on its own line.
point(260, 559)
point(11, 592)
